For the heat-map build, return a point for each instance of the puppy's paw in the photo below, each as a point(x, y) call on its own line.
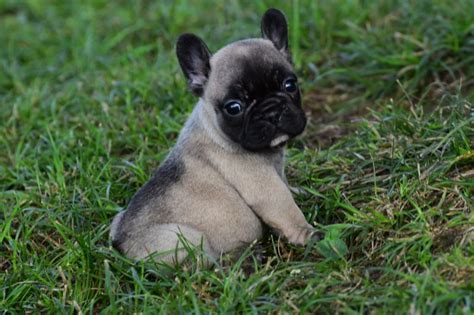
point(301, 235)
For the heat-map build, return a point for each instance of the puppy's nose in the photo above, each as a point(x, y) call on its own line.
point(274, 117)
point(286, 110)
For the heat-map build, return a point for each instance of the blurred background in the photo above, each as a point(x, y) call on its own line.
point(84, 55)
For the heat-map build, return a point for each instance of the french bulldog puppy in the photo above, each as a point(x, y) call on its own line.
point(224, 179)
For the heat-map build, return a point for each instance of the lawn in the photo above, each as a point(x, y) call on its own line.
point(92, 99)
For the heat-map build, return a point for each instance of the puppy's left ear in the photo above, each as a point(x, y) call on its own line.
point(194, 56)
point(275, 28)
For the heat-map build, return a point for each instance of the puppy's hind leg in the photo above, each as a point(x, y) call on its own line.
point(169, 243)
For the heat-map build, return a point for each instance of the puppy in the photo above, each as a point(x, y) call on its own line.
point(224, 178)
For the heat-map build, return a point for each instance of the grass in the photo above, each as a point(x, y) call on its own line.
point(92, 99)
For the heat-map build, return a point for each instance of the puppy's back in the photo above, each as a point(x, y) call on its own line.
point(148, 205)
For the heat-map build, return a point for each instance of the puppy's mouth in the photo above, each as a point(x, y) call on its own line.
point(272, 122)
point(279, 140)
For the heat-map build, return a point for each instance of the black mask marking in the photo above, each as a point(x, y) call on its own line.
point(269, 110)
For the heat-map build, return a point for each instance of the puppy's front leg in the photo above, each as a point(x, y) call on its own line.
point(272, 201)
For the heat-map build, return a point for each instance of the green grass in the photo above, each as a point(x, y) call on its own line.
point(92, 99)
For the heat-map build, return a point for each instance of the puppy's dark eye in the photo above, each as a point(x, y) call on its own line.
point(290, 85)
point(233, 108)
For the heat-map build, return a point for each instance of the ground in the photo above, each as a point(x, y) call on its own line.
point(92, 99)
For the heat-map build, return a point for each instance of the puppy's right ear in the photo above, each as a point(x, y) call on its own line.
point(194, 56)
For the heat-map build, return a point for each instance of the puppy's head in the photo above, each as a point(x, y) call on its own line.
point(249, 85)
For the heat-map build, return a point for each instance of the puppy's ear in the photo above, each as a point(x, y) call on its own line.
point(275, 28)
point(193, 56)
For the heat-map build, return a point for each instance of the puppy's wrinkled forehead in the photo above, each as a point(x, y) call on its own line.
point(249, 64)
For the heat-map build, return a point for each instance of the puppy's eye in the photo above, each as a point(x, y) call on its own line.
point(290, 85)
point(233, 108)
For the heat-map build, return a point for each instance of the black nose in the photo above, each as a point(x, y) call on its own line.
point(292, 120)
point(271, 107)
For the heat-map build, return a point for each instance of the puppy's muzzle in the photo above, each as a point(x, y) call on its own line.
point(280, 110)
point(272, 122)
